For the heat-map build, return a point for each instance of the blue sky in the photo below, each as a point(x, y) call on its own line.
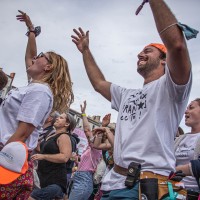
point(116, 37)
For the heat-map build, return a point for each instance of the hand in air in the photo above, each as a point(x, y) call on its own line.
point(106, 120)
point(81, 39)
point(23, 17)
point(83, 107)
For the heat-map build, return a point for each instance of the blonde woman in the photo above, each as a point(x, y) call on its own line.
point(25, 109)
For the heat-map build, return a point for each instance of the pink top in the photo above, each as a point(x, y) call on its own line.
point(90, 159)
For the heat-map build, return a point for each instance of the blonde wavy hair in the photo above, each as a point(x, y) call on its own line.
point(59, 80)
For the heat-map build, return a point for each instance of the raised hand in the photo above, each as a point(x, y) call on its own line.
point(83, 107)
point(81, 39)
point(99, 131)
point(106, 120)
point(23, 17)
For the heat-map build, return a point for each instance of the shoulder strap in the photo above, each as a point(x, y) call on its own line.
point(47, 133)
point(55, 137)
point(178, 140)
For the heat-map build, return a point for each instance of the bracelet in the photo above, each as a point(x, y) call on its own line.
point(83, 114)
point(36, 31)
point(31, 28)
point(167, 28)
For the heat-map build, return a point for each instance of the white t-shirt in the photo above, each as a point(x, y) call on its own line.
point(31, 104)
point(184, 153)
point(147, 122)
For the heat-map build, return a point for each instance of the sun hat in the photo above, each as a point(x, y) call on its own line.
point(159, 46)
point(13, 161)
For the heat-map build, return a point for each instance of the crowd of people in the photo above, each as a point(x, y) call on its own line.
point(144, 157)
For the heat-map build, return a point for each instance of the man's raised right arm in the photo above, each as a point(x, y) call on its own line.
point(97, 79)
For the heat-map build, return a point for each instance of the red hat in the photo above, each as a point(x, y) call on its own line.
point(13, 161)
point(159, 46)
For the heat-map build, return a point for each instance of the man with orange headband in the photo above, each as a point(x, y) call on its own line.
point(148, 117)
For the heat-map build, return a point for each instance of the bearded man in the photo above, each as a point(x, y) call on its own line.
point(148, 117)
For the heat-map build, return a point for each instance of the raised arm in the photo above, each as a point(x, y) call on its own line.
point(178, 59)
point(106, 120)
point(31, 49)
point(97, 79)
point(106, 143)
point(86, 125)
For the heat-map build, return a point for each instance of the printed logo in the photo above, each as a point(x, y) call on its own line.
point(7, 157)
point(134, 107)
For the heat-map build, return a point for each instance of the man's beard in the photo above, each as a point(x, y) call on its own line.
point(148, 67)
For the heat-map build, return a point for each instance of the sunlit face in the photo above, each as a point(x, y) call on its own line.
point(40, 64)
point(148, 60)
point(61, 121)
point(192, 114)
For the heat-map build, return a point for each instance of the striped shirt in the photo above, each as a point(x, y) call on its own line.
point(48, 131)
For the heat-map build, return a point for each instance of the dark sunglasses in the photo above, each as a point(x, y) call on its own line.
point(42, 55)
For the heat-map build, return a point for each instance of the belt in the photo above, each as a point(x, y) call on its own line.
point(145, 174)
point(148, 174)
point(120, 170)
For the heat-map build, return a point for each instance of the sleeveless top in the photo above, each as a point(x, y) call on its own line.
point(51, 173)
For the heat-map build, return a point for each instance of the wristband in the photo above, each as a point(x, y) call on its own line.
point(83, 114)
point(36, 31)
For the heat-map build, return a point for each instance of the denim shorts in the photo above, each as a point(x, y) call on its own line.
point(50, 192)
point(122, 194)
point(82, 186)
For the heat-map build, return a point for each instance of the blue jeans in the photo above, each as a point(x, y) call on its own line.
point(82, 186)
point(122, 194)
point(50, 192)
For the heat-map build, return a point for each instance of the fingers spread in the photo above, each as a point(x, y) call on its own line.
point(77, 33)
point(21, 12)
point(81, 31)
point(75, 37)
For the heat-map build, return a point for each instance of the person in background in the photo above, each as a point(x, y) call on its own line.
point(25, 109)
point(82, 186)
point(187, 146)
point(48, 128)
point(55, 151)
point(149, 117)
point(104, 140)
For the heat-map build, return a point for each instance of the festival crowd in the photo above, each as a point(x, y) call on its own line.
point(146, 156)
